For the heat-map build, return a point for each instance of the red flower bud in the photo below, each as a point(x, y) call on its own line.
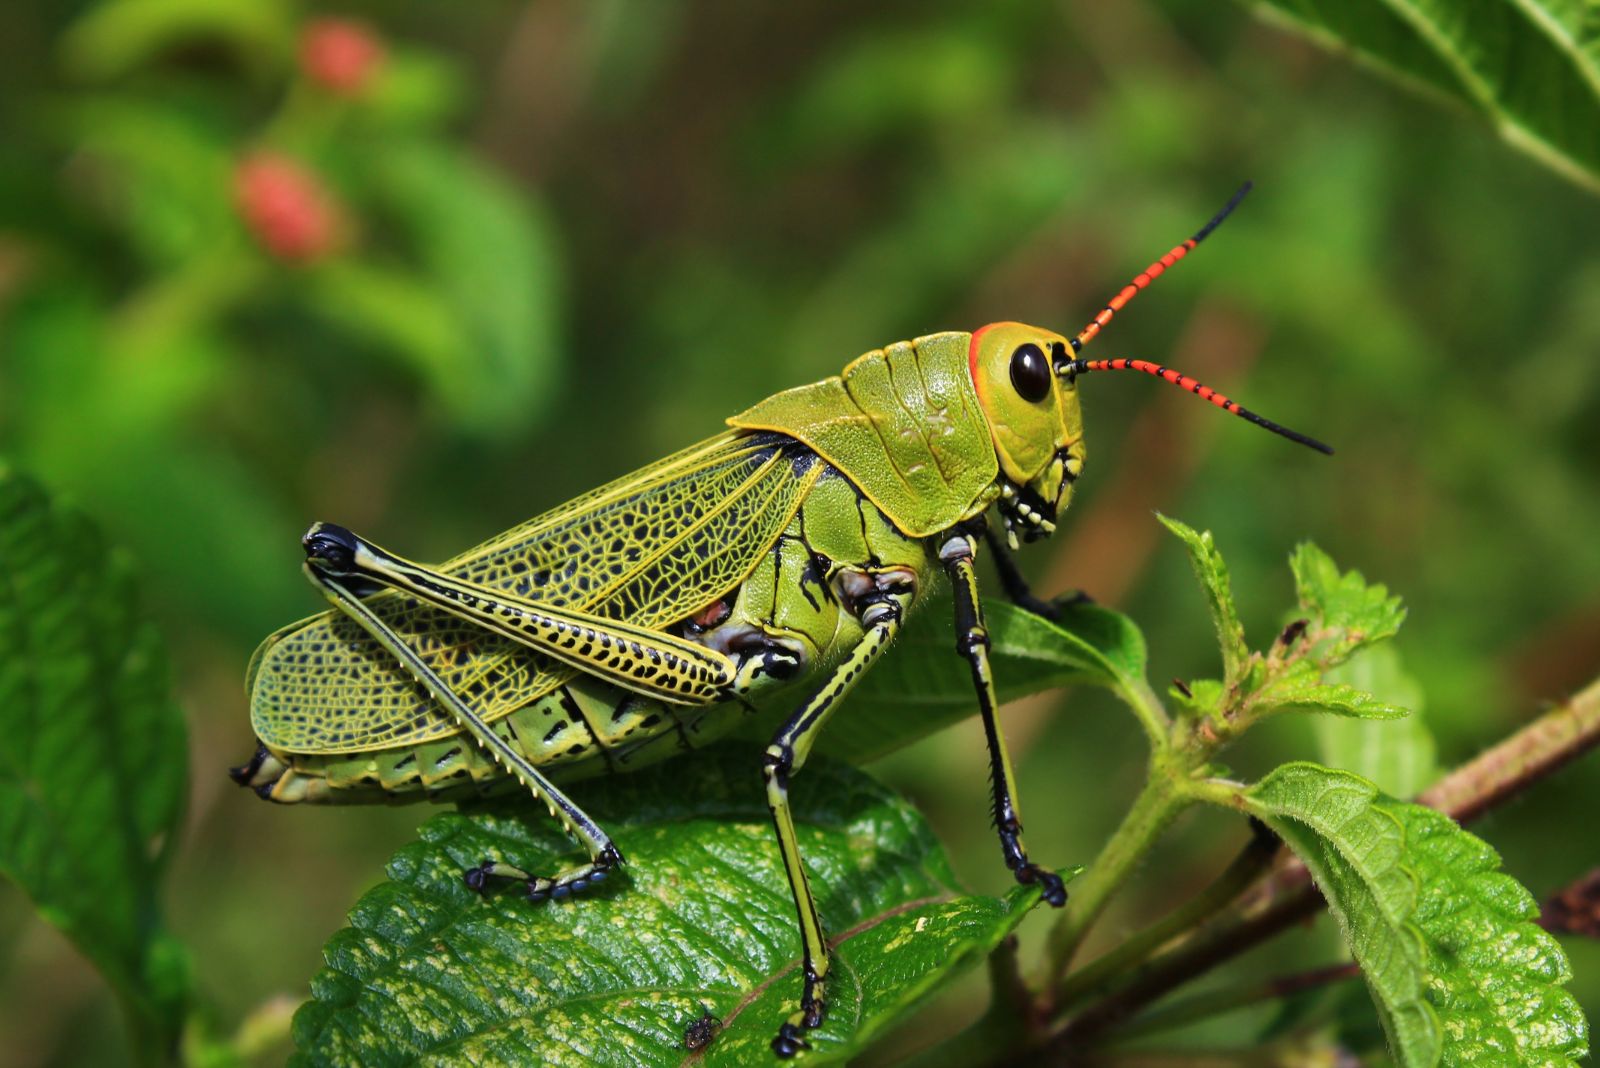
point(286, 207)
point(340, 55)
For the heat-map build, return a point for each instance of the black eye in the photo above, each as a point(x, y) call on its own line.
point(1030, 372)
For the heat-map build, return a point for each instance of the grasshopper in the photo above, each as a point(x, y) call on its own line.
point(772, 564)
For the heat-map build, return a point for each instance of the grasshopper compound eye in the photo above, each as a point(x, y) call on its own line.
point(330, 548)
point(1030, 372)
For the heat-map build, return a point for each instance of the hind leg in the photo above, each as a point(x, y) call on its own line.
point(603, 853)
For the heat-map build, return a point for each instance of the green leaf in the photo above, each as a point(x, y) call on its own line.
point(1355, 852)
point(699, 921)
point(94, 770)
point(1531, 68)
point(489, 253)
point(113, 38)
point(1346, 613)
point(414, 88)
point(924, 685)
point(405, 318)
point(1300, 687)
point(1458, 971)
point(1495, 977)
point(1397, 756)
point(165, 177)
point(1213, 576)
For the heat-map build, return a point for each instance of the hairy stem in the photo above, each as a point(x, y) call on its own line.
point(1253, 861)
point(1559, 736)
point(1147, 707)
point(1230, 998)
point(1499, 774)
point(1162, 798)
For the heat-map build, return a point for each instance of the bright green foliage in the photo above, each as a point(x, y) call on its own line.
point(925, 685)
point(92, 777)
point(1356, 853)
point(1213, 576)
point(114, 38)
point(1445, 941)
point(1398, 757)
point(1345, 613)
point(1530, 67)
point(1494, 976)
point(1339, 613)
point(1300, 687)
point(699, 921)
point(477, 316)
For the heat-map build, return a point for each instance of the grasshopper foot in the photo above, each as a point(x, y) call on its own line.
point(791, 1037)
point(538, 888)
point(1050, 884)
point(790, 1040)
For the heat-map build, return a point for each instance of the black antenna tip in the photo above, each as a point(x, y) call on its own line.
point(1227, 209)
point(1283, 431)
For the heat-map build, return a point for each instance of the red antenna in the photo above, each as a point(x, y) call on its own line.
point(1072, 368)
point(1154, 271)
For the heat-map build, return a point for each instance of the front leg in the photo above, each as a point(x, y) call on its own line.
point(972, 642)
point(1011, 580)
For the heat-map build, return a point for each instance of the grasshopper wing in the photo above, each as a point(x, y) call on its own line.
point(653, 548)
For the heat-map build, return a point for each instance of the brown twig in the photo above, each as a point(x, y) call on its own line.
point(1230, 998)
point(1497, 775)
point(1575, 908)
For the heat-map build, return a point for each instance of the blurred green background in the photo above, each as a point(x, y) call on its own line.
point(469, 260)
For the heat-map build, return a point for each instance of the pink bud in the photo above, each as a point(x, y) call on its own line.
point(286, 207)
point(340, 55)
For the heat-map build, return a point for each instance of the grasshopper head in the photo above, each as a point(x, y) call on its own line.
point(1033, 419)
point(1027, 385)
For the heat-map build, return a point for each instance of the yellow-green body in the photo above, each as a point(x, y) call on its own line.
point(581, 726)
point(815, 500)
point(768, 567)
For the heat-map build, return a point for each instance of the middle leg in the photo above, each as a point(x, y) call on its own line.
point(785, 756)
point(972, 642)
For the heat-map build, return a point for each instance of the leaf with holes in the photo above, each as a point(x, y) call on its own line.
point(1494, 976)
point(93, 773)
point(700, 921)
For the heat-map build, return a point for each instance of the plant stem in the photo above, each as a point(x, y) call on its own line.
point(1147, 708)
point(1231, 998)
point(1253, 860)
point(1157, 804)
point(1559, 736)
point(1499, 774)
point(1195, 957)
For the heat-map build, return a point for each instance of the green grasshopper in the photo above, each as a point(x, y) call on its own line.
point(771, 564)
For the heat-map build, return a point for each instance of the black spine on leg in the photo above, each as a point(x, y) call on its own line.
point(972, 641)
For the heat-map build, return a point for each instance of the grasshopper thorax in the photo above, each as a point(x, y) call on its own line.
point(1034, 421)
